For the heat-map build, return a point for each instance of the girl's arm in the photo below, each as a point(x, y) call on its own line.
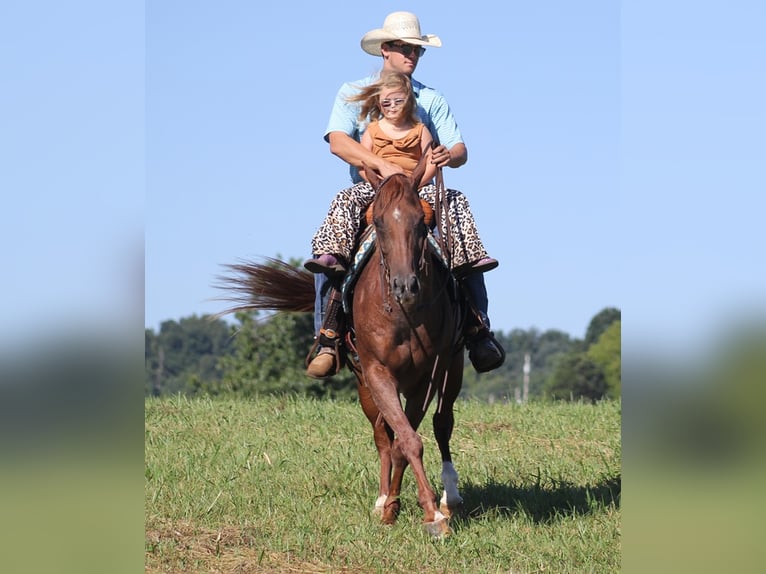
point(425, 145)
point(350, 151)
point(366, 143)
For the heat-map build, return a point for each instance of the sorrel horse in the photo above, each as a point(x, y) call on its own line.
point(406, 321)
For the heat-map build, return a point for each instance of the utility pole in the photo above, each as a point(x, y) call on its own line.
point(527, 368)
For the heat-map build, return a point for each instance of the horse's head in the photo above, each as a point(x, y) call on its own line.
point(401, 230)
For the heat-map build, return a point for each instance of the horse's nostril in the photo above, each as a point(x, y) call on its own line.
point(405, 287)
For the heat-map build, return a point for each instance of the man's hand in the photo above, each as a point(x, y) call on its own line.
point(386, 168)
point(440, 156)
point(455, 157)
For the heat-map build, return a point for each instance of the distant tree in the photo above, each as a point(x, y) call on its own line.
point(266, 354)
point(577, 377)
point(606, 353)
point(544, 349)
point(183, 356)
point(552, 346)
point(600, 323)
point(269, 358)
point(152, 360)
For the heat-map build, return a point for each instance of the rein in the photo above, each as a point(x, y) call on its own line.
point(441, 209)
point(385, 283)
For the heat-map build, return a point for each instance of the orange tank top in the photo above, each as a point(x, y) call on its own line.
point(405, 151)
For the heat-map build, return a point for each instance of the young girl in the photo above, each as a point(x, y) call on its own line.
point(394, 132)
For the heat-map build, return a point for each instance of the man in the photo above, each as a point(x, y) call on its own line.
point(400, 44)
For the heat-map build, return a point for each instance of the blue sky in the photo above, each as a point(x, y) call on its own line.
point(73, 170)
point(237, 166)
point(616, 153)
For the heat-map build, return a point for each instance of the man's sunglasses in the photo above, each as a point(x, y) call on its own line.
point(407, 49)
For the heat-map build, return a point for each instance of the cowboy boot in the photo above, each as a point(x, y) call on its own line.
point(484, 351)
point(480, 266)
point(328, 309)
point(326, 263)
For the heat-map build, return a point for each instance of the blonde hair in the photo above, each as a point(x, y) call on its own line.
point(369, 96)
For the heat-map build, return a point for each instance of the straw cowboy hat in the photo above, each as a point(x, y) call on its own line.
point(402, 26)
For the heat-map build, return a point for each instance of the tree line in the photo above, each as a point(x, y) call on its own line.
point(265, 354)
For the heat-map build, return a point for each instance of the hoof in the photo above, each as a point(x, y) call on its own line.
point(391, 511)
point(380, 504)
point(439, 528)
point(449, 506)
point(389, 517)
point(450, 511)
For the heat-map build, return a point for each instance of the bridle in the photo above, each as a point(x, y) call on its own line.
point(422, 263)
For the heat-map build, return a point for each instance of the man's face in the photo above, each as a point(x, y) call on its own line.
point(401, 57)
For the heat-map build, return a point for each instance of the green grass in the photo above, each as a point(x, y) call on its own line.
point(288, 485)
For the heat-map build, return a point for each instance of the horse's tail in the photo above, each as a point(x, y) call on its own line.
point(271, 286)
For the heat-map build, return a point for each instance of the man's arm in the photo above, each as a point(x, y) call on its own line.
point(452, 151)
point(426, 141)
point(352, 152)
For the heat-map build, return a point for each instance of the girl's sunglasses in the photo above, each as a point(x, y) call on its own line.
point(388, 103)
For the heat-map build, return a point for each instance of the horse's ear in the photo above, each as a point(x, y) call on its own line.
point(372, 176)
point(420, 169)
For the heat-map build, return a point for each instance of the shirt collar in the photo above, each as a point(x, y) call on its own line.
point(416, 87)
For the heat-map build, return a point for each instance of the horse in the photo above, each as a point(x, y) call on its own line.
point(404, 339)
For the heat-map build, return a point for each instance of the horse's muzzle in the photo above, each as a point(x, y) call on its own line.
point(405, 288)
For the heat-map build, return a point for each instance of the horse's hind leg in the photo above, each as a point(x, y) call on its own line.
point(451, 499)
point(444, 422)
point(383, 437)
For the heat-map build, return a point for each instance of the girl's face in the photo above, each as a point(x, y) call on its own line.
point(392, 102)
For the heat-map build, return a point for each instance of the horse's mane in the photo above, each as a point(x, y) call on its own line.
point(390, 194)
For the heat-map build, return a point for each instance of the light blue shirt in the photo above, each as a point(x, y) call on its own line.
point(433, 111)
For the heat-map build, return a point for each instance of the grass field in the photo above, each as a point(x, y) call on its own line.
point(288, 485)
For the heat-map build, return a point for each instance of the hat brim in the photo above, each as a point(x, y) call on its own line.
point(371, 41)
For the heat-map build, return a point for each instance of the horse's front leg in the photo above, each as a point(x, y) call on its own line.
point(407, 447)
point(415, 411)
point(383, 437)
point(399, 461)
